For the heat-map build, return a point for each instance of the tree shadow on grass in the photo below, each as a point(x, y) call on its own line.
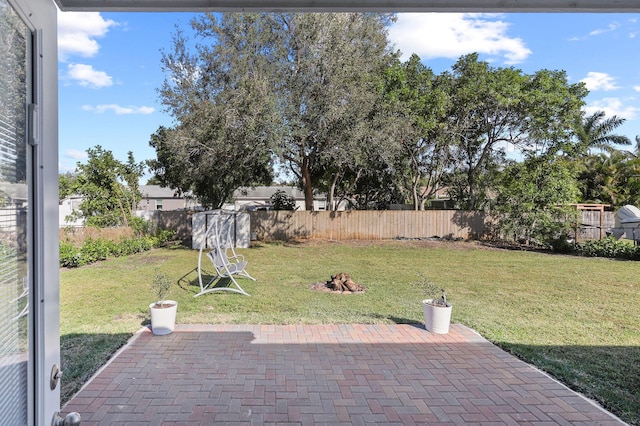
point(608, 374)
point(82, 354)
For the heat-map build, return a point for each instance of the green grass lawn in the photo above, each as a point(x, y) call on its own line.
point(576, 318)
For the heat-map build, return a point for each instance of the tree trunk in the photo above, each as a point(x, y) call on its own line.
point(307, 185)
point(332, 189)
point(471, 181)
point(416, 202)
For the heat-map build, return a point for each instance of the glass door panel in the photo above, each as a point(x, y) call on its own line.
point(15, 334)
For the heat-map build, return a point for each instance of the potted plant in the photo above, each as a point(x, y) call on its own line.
point(437, 311)
point(163, 312)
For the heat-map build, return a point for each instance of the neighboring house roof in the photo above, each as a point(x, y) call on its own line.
point(156, 191)
point(265, 192)
point(147, 191)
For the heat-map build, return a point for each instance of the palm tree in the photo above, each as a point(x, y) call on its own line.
point(595, 132)
point(610, 178)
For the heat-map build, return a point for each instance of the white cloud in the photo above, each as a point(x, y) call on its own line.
point(119, 110)
point(599, 81)
point(85, 75)
point(611, 107)
point(451, 35)
point(611, 27)
point(636, 88)
point(76, 154)
point(77, 32)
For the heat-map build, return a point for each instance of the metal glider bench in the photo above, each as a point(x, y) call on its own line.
point(225, 261)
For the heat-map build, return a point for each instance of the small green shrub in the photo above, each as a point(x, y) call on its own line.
point(609, 247)
point(69, 255)
point(140, 226)
point(95, 250)
point(160, 286)
point(128, 246)
point(163, 236)
point(432, 291)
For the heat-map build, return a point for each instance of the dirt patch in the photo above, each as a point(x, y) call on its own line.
point(325, 287)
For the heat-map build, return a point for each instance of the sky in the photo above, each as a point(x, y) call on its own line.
point(109, 66)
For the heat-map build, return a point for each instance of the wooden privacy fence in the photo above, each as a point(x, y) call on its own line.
point(176, 220)
point(389, 224)
point(348, 225)
point(595, 225)
point(368, 224)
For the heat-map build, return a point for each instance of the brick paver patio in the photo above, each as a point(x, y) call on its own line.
point(324, 374)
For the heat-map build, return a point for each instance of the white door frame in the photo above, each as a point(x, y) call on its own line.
point(40, 16)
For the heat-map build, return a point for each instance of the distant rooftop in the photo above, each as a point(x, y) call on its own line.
point(265, 192)
point(156, 191)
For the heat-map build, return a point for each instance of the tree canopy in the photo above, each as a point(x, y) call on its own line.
point(298, 86)
point(494, 108)
point(534, 197)
point(418, 103)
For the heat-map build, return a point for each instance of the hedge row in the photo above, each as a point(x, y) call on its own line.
point(93, 250)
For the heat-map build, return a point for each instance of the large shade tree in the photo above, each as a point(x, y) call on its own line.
point(492, 108)
point(295, 85)
point(220, 99)
point(330, 70)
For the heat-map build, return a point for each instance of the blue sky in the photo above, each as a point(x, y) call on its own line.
point(109, 65)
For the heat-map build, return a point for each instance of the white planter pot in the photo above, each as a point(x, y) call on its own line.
point(436, 318)
point(163, 320)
